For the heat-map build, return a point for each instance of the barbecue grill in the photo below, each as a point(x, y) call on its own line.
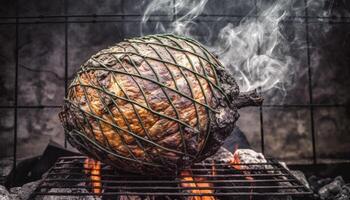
point(68, 178)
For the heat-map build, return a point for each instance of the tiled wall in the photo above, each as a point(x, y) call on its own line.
point(50, 50)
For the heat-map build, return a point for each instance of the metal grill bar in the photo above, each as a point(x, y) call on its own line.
point(177, 188)
point(264, 105)
point(69, 173)
point(177, 194)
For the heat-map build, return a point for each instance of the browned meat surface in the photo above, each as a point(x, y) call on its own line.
point(159, 101)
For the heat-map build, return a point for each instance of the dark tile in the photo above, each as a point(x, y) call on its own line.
point(290, 8)
point(8, 64)
point(207, 32)
point(235, 8)
point(210, 10)
point(87, 39)
point(212, 7)
point(36, 127)
point(135, 7)
point(249, 123)
point(335, 9)
point(329, 59)
point(204, 32)
point(41, 65)
point(7, 8)
point(332, 127)
point(291, 51)
point(287, 134)
point(136, 29)
point(91, 7)
point(41, 7)
point(7, 132)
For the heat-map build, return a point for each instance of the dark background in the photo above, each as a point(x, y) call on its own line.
point(44, 42)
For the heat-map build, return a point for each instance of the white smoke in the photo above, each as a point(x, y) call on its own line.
point(255, 50)
point(187, 10)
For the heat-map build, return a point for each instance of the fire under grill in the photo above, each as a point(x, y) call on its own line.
point(70, 176)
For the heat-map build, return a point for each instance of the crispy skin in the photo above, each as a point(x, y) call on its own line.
point(135, 90)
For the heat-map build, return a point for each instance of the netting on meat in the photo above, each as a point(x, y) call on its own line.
point(146, 103)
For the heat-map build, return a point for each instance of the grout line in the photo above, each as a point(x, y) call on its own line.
point(162, 20)
point(162, 15)
point(65, 58)
point(313, 135)
point(15, 100)
point(261, 115)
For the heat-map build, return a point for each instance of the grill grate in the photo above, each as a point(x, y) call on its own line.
point(68, 177)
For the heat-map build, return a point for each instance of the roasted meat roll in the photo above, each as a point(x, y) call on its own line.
point(152, 104)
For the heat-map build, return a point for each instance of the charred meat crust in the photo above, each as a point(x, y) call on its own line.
point(152, 104)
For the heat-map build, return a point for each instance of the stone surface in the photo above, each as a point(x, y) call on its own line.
point(329, 59)
point(7, 8)
point(295, 8)
point(332, 127)
point(7, 131)
point(35, 128)
point(249, 123)
point(7, 59)
point(89, 7)
point(328, 8)
point(41, 7)
point(295, 88)
point(41, 65)
point(6, 165)
point(288, 134)
point(86, 39)
point(237, 8)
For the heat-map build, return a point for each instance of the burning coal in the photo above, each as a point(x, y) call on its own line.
point(197, 185)
point(93, 168)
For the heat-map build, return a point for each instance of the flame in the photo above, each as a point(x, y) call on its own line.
point(196, 182)
point(235, 163)
point(213, 169)
point(93, 168)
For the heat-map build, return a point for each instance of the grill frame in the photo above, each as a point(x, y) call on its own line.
point(125, 178)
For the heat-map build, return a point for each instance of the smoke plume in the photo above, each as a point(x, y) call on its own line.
point(255, 50)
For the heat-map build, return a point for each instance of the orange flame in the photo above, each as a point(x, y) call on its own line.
point(213, 169)
point(235, 163)
point(93, 168)
point(196, 182)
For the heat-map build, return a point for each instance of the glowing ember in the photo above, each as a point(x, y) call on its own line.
point(235, 162)
point(213, 169)
point(196, 182)
point(93, 168)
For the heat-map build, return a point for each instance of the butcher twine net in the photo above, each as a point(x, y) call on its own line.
point(77, 135)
